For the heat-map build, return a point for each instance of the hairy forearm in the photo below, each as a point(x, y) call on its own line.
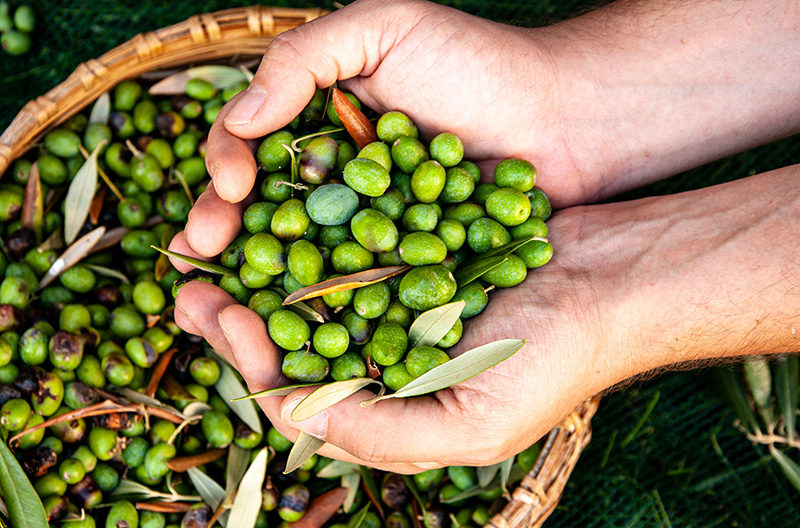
point(706, 274)
point(646, 89)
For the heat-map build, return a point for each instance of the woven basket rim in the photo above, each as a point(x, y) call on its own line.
point(235, 34)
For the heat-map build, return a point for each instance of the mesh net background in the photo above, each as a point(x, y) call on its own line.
point(684, 465)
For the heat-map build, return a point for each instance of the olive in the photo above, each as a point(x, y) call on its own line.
point(217, 428)
point(366, 176)
point(290, 220)
point(103, 443)
point(14, 414)
point(294, 503)
point(123, 514)
point(306, 367)
point(288, 330)
point(392, 125)
point(156, 458)
point(205, 371)
point(348, 366)
point(272, 154)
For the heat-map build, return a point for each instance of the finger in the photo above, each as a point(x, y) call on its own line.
point(213, 223)
point(179, 245)
point(400, 432)
point(201, 303)
point(230, 160)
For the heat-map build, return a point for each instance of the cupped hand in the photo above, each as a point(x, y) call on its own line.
point(449, 71)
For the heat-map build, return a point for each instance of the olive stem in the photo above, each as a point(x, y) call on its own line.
point(105, 177)
point(311, 136)
point(294, 171)
point(135, 151)
point(296, 186)
point(488, 289)
point(182, 181)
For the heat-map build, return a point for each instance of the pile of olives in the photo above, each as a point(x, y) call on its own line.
point(395, 202)
point(103, 330)
point(16, 26)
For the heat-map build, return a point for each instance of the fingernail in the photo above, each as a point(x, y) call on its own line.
point(184, 312)
point(316, 426)
point(247, 106)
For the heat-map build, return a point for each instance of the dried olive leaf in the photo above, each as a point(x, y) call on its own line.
point(196, 408)
point(301, 308)
point(131, 489)
point(486, 262)
point(787, 378)
point(345, 282)
point(337, 468)
point(431, 326)
point(330, 394)
point(220, 76)
point(108, 272)
point(787, 465)
point(351, 481)
point(33, 205)
point(163, 507)
point(469, 364)
point(25, 510)
point(184, 463)
point(277, 391)
point(358, 126)
point(304, 447)
point(163, 265)
point(197, 263)
point(247, 503)
point(486, 474)
point(101, 109)
point(230, 388)
point(72, 255)
point(80, 194)
point(211, 492)
point(322, 508)
point(96, 207)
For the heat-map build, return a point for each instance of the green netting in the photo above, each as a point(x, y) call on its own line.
point(686, 465)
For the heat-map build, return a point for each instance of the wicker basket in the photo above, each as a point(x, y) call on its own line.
point(236, 35)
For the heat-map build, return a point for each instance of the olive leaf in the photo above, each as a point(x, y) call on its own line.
point(371, 489)
point(337, 468)
point(238, 459)
point(33, 205)
point(108, 272)
point(505, 472)
point(101, 109)
point(486, 474)
point(344, 283)
point(787, 465)
point(351, 481)
point(486, 262)
point(322, 508)
point(787, 378)
point(277, 391)
point(208, 488)
point(358, 126)
point(220, 77)
point(25, 510)
point(431, 326)
point(734, 390)
point(359, 517)
point(73, 254)
point(135, 490)
point(163, 265)
point(196, 408)
point(247, 503)
point(412, 486)
point(196, 262)
point(469, 364)
point(230, 388)
point(759, 379)
point(304, 447)
point(79, 196)
point(330, 394)
point(301, 308)
point(184, 463)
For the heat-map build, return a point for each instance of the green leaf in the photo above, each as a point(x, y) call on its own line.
point(305, 446)
point(230, 388)
point(277, 391)
point(220, 76)
point(759, 379)
point(461, 368)
point(25, 510)
point(486, 474)
point(79, 196)
point(337, 468)
point(101, 109)
point(197, 263)
point(371, 488)
point(72, 255)
point(247, 503)
point(787, 465)
point(330, 394)
point(785, 374)
point(431, 326)
point(359, 517)
point(108, 272)
point(412, 486)
point(351, 481)
point(733, 389)
point(212, 493)
point(505, 472)
point(238, 459)
point(486, 262)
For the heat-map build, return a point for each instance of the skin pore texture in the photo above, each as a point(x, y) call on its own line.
point(617, 98)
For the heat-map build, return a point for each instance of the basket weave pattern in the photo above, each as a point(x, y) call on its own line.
point(232, 36)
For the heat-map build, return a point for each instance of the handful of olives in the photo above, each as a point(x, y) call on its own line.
point(331, 210)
